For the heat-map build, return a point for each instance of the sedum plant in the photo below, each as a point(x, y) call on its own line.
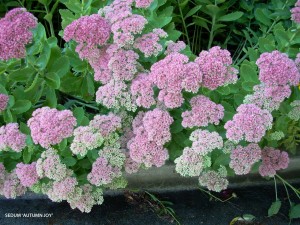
point(123, 94)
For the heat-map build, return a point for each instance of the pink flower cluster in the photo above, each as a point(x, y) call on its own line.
point(205, 142)
point(122, 63)
point(242, 158)
point(142, 90)
point(99, 59)
point(11, 138)
point(143, 3)
point(125, 29)
point(85, 197)
point(175, 47)
point(15, 33)
point(50, 126)
point(273, 160)
point(131, 166)
point(250, 123)
point(3, 102)
point(214, 180)
point(173, 74)
point(88, 32)
point(115, 95)
point(215, 65)
point(27, 174)
point(106, 124)
point(149, 43)
point(107, 167)
point(191, 163)
point(49, 165)
point(92, 136)
point(204, 111)
point(268, 97)
point(296, 12)
point(152, 131)
point(11, 186)
point(61, 190)
point(276, 68)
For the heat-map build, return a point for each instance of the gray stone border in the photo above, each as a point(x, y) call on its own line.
point(165, 179)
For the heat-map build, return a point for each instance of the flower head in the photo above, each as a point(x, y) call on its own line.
point(50, 126)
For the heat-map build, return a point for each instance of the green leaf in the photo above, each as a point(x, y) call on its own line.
point(53, 80)
point(231, 16)
point(61, 66)
point(212, 10)
point(21, 75)
point(2, 89)
point(295, 212)
point(193, 11)
point(26, 155)
point(174, 151)
point(78, 112)
point(7, 116)
point(63, 144)
point(248, 73)
point(261, 16)
point(67, 17)
point(238, 99)
point(21, 106)
point(274, 209)
point(69, 161)
point(44, 57)
point(51, 99)
point(248, 85)
point(176, 127)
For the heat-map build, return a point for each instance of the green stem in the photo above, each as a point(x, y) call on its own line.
point(268, 31)
point(215, 197)
point(297, 192)
point(211, 33)
point(184, 25)
point(275, 188)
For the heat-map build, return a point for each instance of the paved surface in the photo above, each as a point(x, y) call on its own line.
point(192, 208)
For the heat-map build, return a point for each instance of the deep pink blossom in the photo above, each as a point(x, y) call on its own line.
point(276, 68)
point(50, 126)
point(88, 32)
point(242, 158)
point(204, 111)
point(215, 65)
point(250, 123)
point(273, 160)
point(142, 90)
point(268, 97)
point(125, 29)
point(15, 33)
point(149, 44)
point(3, 102)
point(11, 138)
point(143, 3)
point(173, 74)
point(175, 47)
point(296, 12)
point(27, 174)
point(122, 63)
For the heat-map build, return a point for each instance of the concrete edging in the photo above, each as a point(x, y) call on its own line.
point(165, 179)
